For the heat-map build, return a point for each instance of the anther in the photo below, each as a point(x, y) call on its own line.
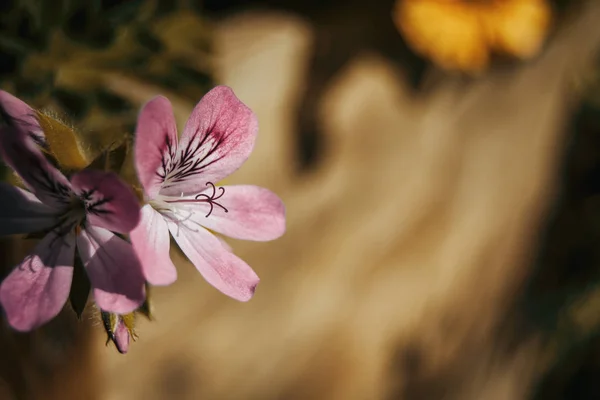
point(211, 199)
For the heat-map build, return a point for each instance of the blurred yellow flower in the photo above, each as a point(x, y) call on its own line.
point(462, 34)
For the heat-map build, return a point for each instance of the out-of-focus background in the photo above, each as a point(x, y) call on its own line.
point(440, 165)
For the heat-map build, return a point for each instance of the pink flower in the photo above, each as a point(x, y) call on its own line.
point(78, 213)
point(121, 337)
point(118, 331)
point(179, 178)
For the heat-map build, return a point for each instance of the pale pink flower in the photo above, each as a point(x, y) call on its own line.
point(121, 337)
point(117, 331)
point(81, 212)
point(179, 176)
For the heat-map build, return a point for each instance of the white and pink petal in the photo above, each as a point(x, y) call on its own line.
point(151, 242)
point(221, 268)
point(241, 212)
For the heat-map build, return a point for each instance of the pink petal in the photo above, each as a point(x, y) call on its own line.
point(117, 331)
point(218, 266)
point(253, 213)
point(37, 289)
point(155, 143)
point(121, 337)
point(20, 153)
point(21, 116)
point(151, 242)
point(217, 139)
point(114, 270)
point(22, 212)
point(111, 203)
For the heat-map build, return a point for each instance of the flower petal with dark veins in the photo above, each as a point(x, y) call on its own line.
point(110, 203)
point(217, 139)
point(47, 183)
point(155, 143)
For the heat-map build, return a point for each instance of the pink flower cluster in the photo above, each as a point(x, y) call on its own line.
point(92, 211)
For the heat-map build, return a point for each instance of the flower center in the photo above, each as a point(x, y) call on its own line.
point(72, 217)
point(77, 210)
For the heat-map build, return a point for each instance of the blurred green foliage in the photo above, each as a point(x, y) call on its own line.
point(60, 54)
point(562, 298)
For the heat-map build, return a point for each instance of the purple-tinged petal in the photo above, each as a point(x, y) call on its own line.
point(241, 212)
point(218, 266)
point(21, 116)
point(217, 139)
point(151, 242)
point(113, 268)
point(155, 143)
point(110, 202)
point(37, 289)
point(22, 212)
point(47, 183)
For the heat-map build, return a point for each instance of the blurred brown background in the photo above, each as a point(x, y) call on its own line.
point(441, 194)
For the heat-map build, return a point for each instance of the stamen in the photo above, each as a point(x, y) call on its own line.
point(205, 198)
point(212, 198)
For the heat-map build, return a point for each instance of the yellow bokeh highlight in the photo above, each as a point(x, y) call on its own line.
point(462, 35)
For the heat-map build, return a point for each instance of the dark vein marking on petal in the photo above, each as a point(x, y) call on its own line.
point(18, 123)
point(61, 231)
point(167, 159)
point(42, 178)
point(94, 206)
point(184, 164)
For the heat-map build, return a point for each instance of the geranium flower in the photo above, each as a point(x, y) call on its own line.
point(82, 213)
point(179, 177)
point(119, 329)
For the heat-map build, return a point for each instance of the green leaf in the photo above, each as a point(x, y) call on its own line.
point(146, 308)
point(63, 143)
point(112, 158)
point(36, 235)
point(80, 288)
point(109, 321)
